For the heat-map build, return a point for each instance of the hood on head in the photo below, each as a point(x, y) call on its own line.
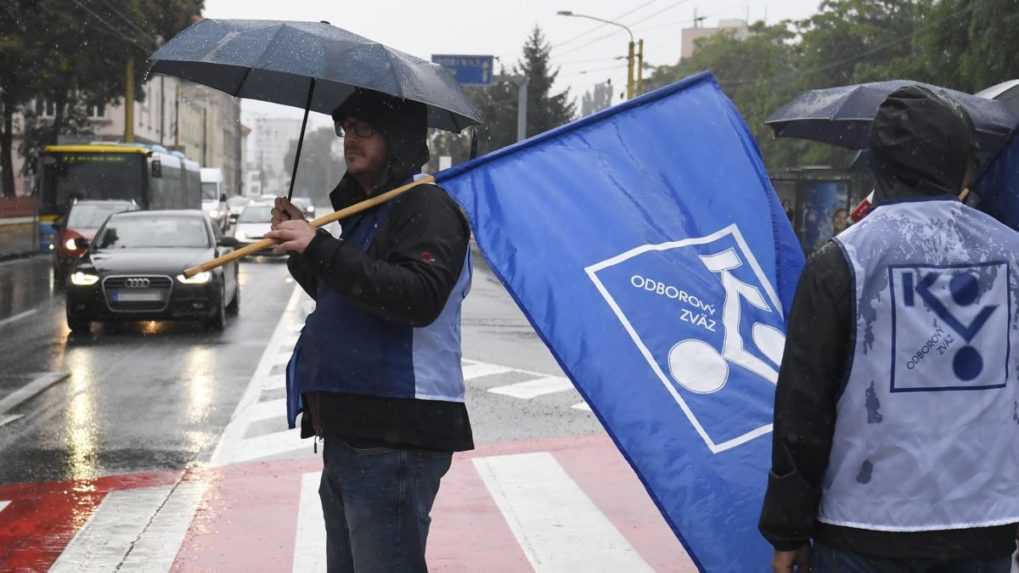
point(921, 144)
point(403, 125)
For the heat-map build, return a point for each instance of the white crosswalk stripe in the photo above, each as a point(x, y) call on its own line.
point(474, 370)
point(310, 544)
point(107, 537)
point(534, 388)
point(257, 413)
point(554, 521)
point(157, 547)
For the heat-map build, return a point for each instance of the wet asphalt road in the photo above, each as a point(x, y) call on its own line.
point(157, 395)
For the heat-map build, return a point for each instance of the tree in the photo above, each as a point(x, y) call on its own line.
point(74, 55)
point(498, 102)
point(321, 167)
point(759, 73)
point(971, 44)
point(544, 110)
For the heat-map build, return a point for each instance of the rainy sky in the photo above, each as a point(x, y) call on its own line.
point(585, 56)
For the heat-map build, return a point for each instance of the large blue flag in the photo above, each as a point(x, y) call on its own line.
point(650, 253)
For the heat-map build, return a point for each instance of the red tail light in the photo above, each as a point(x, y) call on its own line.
point(65, 240)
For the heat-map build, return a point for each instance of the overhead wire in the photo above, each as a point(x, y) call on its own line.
point(616, 31)
point(602, 25)
point(110, 27)
point(129, 21)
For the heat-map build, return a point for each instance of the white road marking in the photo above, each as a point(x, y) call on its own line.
point(310, 544)
point(534, 388)
point(480, 369)
point(556, 524)
point(108, 535)
point(18, 317)
point(157, 547)
point(4, 504)
point(233, 447)
point(4, 420)
point(26, 392)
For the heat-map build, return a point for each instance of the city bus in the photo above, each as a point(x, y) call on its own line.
point(150, 176)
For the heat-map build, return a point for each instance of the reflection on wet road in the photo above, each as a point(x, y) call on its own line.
point(138, 396)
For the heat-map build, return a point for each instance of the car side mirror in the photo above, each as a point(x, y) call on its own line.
point(222, 197)
point(230, 242)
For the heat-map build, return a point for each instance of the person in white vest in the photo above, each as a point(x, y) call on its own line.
point(896, 434)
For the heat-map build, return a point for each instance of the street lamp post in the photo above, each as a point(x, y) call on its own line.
point(632, 86)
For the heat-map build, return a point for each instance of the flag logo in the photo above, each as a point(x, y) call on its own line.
point(708, 322)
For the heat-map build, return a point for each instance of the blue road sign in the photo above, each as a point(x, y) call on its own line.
point(468, 70)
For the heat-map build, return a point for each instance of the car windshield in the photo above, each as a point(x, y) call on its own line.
point(153, 232)
point(92, 215)
point(256, 214)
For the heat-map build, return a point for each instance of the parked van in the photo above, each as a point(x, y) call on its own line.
point(214, 196)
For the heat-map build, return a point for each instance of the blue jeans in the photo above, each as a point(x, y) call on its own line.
point(376, 503)
point(824, 559)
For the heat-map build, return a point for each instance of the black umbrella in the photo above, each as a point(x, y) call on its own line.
point(1005, 92)
point(311, 65)
point(842, 115)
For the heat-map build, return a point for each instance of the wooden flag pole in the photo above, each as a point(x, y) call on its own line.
point(318, 222)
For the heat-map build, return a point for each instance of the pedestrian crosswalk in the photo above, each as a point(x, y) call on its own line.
point(258, 429)
point(541, 507)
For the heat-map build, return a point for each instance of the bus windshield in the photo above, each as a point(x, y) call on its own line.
point(70, 176)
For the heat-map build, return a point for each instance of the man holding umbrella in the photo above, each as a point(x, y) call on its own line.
point(378, 365)
point(895, 439)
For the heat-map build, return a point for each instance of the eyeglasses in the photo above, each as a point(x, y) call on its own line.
point(360, 129)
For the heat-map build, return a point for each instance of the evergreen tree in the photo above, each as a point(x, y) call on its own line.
point(544, 110)
point(498, 102)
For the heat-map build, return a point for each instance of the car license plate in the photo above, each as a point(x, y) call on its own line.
point(137, 295)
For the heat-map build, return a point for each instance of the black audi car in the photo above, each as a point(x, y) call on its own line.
point(132, 270)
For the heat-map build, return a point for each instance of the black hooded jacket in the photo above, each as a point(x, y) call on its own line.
point(405, 277)
point(920, 147)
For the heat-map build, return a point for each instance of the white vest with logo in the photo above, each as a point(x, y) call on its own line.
point(927, 428)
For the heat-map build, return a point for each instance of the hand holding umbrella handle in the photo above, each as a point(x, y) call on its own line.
point(318, 222)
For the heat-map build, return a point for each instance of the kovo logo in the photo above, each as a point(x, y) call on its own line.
point(709, 324)
point(950, 327)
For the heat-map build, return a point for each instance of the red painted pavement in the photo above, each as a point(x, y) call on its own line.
point(247, 520)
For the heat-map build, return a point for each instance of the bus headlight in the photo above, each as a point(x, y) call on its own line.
point(84, 279)
point(199, 279)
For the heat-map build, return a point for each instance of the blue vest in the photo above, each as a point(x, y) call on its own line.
point(927, 427)
point(345, 349)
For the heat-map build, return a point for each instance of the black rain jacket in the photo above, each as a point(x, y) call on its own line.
point(920, 148)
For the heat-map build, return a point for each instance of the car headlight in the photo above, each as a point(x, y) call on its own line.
point(199, 279)
point(70, 245)
point(84, 279)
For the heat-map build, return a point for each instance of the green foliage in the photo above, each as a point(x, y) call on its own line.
point(963, 44)
point(74, 53)
point(971, 44)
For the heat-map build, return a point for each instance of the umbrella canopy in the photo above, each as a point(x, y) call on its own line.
point(283, 62)
point(1005, 92)
point(842, 115)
